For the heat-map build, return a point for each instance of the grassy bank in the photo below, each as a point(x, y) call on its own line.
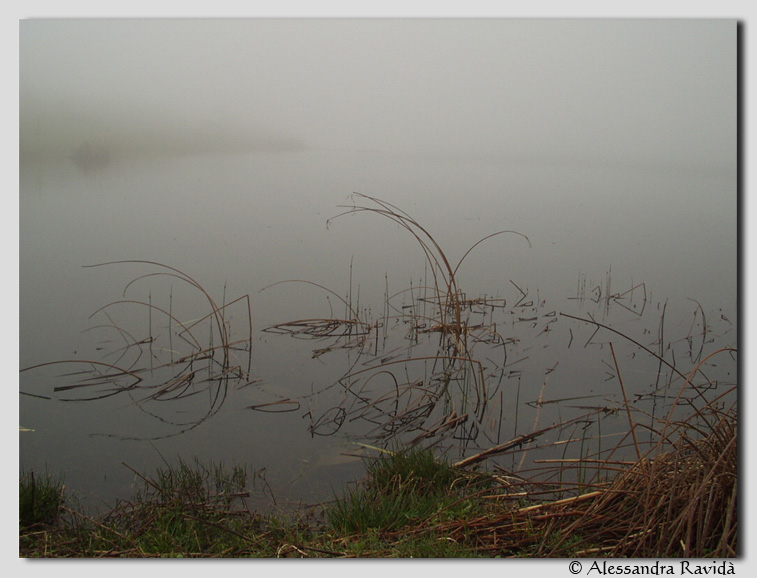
point(681, 503)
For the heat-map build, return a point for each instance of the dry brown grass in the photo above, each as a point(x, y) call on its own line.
point(678, 500)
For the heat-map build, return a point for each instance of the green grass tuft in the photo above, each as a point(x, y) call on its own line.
point(405, 488)
point(40, 500)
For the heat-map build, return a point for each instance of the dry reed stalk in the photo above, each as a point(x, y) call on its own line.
point(276, 406)
point(517, 442)
point(175, 273)
point(627, 405)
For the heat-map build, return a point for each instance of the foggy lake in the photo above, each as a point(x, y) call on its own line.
point(234, 239)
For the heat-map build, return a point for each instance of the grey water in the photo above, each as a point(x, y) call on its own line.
point(240, 210)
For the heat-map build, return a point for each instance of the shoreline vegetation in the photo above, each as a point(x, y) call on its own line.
point(681, 503)
point(424, 380)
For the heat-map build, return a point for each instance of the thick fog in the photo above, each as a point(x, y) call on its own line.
point(631, 92)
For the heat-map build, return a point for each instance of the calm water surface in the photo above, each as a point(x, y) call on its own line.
point(240, 223)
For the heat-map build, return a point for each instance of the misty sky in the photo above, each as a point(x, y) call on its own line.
point(625, 91)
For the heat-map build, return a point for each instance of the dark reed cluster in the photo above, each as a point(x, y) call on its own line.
point(175, 370)
point(428, 382)
point(441, 367)
point(679, 499)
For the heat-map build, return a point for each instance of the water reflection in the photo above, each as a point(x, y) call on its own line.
point(437, 367)
point(242, 224)
point(512, 376)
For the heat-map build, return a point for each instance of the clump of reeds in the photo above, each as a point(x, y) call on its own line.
point(681, 503)
point(449, 298)
point(452, 397)
point(678, 499)
point(150, 355)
